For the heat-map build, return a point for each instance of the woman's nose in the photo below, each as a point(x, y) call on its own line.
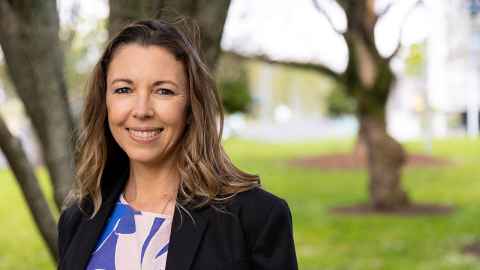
point(143, 108)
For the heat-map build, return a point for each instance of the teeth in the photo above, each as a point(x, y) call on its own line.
point(144, 134)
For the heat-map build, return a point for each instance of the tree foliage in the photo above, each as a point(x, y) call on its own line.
point(340, 103)
point(232, 82)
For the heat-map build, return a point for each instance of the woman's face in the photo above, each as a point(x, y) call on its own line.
point(146, 101)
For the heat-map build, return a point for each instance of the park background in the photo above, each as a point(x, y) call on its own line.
point(363, 115)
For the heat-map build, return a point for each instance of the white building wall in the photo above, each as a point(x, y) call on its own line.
point(451, 76)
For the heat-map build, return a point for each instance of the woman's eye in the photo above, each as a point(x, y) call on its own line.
point(122, 90)
point(164, 92)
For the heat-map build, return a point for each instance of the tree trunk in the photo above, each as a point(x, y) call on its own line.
point(368, 78)
point(210, 16)
point(30, 42)
point(34, 197)
point(385, 160)
point(360, 148)
point(123, 12)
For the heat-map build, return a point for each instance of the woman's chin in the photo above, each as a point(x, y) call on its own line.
point(145, 158)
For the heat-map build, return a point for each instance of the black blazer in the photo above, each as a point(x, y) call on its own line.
point(255, 234)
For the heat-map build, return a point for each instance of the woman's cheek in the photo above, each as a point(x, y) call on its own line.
point(118, 109)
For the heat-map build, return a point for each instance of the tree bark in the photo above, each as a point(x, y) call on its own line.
point(210, 16)
point(30, 42)
point(123, 12)
point(360, 147)
point(28, 182)
point(386, 158)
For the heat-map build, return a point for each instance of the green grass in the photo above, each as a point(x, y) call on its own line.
point(324, 240)
point(21, 246)
point(327, 241)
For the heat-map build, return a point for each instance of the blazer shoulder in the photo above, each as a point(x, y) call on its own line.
point(267, 223)
point(69, 215)
point(259, 200)
point(70, 218)
point(259, 212)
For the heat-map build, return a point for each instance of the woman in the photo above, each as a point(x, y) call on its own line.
point(155, 189)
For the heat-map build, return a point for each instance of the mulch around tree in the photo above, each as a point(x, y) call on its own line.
point(472, 249)
point(342, 161)
point(350, 161)
point(410, 210)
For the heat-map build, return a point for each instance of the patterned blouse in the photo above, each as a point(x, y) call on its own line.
point(132, 240)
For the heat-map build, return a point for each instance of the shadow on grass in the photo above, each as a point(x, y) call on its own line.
point(410, 210)
point(472, 249)
point(351, 161)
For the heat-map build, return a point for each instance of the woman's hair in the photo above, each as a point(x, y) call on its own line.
point(207, 174)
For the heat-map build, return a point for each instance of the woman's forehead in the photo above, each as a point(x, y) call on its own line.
point(137, 62)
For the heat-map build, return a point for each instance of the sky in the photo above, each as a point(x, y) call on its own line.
point(295, 30)
point(288, 29)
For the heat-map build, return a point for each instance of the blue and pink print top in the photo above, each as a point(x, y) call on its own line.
point(132, 240)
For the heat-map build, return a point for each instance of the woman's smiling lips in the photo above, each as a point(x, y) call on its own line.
point(144, 135)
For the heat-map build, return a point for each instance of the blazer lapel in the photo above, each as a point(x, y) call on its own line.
point(185, 237)
point(81, 247)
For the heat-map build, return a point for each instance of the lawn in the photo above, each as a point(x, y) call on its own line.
point(324, 240)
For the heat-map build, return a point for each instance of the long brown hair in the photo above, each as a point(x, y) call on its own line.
point(207, 174)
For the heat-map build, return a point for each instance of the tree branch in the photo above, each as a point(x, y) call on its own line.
point(399, 43)
point(327, 16)
point(339, 77)
point(28, 182)
point(384, 11)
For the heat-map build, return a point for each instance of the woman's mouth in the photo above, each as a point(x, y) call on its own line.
point(144, 135)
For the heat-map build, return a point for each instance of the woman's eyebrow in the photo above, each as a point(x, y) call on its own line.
point(122, 80)
point(156, 83)
point(163, 82)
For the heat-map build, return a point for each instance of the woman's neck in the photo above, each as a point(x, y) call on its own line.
point(151, 186)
